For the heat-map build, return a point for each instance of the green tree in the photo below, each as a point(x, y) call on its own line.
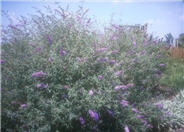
point(181, 40)
point(169, 38)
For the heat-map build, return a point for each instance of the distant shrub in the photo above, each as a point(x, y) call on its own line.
point(181, 40)
point(59, 75)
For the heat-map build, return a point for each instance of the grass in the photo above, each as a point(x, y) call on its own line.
point(173, 77)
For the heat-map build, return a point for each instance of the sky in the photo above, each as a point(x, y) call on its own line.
point(164, 16)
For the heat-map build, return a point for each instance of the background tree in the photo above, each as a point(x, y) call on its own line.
point(169, 38)
point(181, 40)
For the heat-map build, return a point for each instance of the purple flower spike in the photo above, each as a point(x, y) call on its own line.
point(45, 85)
point(102, 59)
point(88, 21)
point(156, 75)
point(81, 120)
point(42, 85)
point(144, 121)
point(38, 74)
point(130, 85)
point(162, 64)
point(120, 87)
point(140, 116)
point(110, 112)
point(37, 49)
point(124, 102)
point(95, 127)
point(39, 85)
point(112, 61)
point(135, 110)
point(149, 126)
point(62, 52)
point(50, 59)
point(23, 105)
point(66, 86)
point(145, 42)
point(115, 51)
point(90, 92)
point(100, 76)
point(168, 114)
point(49, 39)
point(126, 129)
point(94, 45)
point(118, 72)
point(134, 43)
point(93, 114)
point(101, 49)
point(159, 105)
point(2, 61)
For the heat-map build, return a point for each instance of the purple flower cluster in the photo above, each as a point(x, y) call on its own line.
point(90, 92)
point(23, 105)
point(112, 61)
point(126, 129)
point(94, 45)
point(159, 105)
point(124, 102)
point(38, 74)
point(110, 112)
point(81, 120)
point(78, 59)
point(118, 72)
point(120, 87)
point(49, 59)
point(115, 51)
point(140, 116)
point(66, 86)
point(93, 114)
point(101, 49)
point(89, 20)
point(49, 39)
point(130, 85)
point(100, 76)
point(37, 49)
point(135, 110)
point(42, 85)
point(115, 26)
point(62, 52)
point(102, 59)
point(134, 43)
point(162, 65)
point(2, 61)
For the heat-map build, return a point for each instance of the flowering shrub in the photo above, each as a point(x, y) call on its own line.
point(59, 75)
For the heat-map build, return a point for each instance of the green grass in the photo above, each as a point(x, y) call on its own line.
point(173, 77)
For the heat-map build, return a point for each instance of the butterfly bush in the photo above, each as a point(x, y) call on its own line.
point(91, 81)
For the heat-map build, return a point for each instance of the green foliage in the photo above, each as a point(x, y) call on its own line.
point(175, 109)
point(56, 69)
point(181, 40)
point(169, 38)
point(173, 77)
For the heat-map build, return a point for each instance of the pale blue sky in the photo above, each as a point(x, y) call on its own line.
point(163, 17)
